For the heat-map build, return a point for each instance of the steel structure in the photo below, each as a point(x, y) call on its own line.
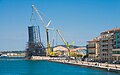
point(46, 28)
point(65, 42)
point(34, 45)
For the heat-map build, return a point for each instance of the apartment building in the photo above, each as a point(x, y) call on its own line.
point(116, 54)
point(107, 47)
point(116, 50)
point(93, 49)
point(109, 42)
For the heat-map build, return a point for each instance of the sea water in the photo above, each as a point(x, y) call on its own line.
point(29, 67)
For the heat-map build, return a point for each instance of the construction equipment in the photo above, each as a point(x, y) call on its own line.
point(49, 52)
point(35, 46)
point(66, 43)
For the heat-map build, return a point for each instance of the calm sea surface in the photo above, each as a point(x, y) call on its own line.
point(29, 67)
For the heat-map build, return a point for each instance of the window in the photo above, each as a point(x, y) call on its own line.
point(116, 52)
point(103, 54)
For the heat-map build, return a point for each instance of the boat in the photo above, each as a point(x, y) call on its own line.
point(4, 55)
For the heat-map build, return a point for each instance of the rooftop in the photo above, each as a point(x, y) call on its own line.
point(95, 39)
point(111, 31)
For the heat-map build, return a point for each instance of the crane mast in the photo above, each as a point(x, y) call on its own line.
point(39, 16)
point(46, 28)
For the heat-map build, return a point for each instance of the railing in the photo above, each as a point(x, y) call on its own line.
point(104, 38)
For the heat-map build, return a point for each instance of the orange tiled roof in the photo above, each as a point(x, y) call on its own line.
point(80, 48)
point(112, 30)
point(94, 39)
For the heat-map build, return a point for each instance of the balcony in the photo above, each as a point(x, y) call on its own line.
point(103, 47)
point(91, 53)
point(111, 42)
point(91, 47)
point(104, 39)
point(104, 43)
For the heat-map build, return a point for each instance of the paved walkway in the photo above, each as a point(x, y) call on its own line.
point(111, 67)
point(90, 64)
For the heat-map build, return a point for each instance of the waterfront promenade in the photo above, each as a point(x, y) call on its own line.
point(95, 65)
point(91, 64)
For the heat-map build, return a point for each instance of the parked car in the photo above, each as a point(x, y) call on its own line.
point(116, 62)
point(91, 60)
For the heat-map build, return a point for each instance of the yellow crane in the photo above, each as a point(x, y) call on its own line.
point(66, 43)
point(49, 52)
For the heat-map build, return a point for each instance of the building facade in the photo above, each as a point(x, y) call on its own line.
point(110, 40)
point(82, 51)
point(107, 47)
point(60, 50)
point(116, 54)
point(93, 49)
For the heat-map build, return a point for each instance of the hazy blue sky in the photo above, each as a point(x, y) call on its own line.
point(78, 20)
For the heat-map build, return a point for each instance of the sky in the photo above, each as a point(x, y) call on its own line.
point(77, 20)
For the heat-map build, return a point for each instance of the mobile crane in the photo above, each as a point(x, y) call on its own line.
point(49, 52)
point(66, 43)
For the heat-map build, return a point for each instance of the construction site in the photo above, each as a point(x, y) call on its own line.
point(35, 46)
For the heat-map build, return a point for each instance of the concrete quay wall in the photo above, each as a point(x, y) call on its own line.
point(94, 65)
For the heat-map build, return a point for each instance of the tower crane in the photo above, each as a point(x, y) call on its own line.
point(46, 28)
